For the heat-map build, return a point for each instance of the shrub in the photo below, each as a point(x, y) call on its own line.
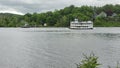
point(89, 62)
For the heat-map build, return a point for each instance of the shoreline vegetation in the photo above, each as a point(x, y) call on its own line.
point(91, 61)
point(104, 16)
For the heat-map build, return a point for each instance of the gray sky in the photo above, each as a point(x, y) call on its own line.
point(25, 6)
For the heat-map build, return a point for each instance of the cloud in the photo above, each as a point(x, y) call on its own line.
point(25, 6)
point(13, 12)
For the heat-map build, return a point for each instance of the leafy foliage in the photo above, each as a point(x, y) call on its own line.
point(89, 62)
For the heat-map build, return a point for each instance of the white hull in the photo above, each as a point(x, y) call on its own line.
point(81, 25)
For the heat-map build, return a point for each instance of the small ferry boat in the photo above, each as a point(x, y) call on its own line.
point(81, 25)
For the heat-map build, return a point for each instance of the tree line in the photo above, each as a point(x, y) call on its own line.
point(62, 17)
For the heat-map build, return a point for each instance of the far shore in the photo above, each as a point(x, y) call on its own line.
point(50, 27)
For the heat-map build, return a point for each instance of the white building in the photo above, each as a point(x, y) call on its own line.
point(81, 25)
point(102, 14)
point(45, 24)
point(26, 25)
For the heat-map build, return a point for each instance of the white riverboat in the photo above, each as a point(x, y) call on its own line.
point(81, 25)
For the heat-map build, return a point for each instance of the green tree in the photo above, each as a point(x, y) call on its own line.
point(63, 22)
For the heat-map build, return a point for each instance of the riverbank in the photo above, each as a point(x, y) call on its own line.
point(107, 24)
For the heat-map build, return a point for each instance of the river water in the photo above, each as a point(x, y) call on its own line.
point(57, 47)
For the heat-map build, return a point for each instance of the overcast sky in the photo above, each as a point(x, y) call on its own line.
point(25, 6)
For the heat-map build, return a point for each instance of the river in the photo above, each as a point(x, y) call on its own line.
point(57, 47)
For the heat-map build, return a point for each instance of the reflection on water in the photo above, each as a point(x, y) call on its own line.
point(57, 47)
